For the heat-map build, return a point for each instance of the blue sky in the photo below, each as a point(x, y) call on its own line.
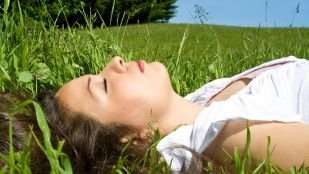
point(277, 13)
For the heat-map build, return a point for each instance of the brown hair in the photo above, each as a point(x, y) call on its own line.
point(92, 147)
point(22, 123)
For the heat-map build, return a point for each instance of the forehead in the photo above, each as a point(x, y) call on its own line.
point(74, 92)
point(75, 84)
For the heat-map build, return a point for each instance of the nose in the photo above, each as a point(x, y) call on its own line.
point(117, 64)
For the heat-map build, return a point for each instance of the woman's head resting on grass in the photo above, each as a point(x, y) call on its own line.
point(97, 114)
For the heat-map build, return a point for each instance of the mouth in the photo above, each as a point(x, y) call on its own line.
point(141, 65)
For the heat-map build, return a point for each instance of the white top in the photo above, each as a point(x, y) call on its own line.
point(276, 93)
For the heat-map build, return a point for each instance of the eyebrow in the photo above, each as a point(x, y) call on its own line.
point(88, 85)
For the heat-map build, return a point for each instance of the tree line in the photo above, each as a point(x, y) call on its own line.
point(97, 12)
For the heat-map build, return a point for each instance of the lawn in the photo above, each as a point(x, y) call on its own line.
point(37, 57)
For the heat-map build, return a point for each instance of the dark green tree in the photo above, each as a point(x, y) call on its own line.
point(107, 12)
point(115, 12)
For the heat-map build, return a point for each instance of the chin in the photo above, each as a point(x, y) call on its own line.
point(162, 68)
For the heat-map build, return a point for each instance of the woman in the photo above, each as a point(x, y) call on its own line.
point(135, 94)
point(119, 103)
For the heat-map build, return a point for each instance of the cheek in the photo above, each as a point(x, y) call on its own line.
point(131, 109)
point(130, 89)
point(130, 96)
point(161, 77)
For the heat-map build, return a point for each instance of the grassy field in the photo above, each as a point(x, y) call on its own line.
point(36, 57)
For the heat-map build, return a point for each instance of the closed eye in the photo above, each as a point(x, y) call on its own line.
point(105, 85)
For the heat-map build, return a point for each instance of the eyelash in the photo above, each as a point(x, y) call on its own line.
point(105, 85)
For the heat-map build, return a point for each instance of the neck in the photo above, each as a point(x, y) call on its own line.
point(178, 112)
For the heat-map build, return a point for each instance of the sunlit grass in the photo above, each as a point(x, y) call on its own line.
point(36, 57)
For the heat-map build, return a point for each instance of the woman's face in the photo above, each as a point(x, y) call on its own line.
point(133, 93)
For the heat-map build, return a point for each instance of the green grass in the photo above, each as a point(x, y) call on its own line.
point(37, 57)
point(162, 40)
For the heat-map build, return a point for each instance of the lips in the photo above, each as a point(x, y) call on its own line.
point(141, 65)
